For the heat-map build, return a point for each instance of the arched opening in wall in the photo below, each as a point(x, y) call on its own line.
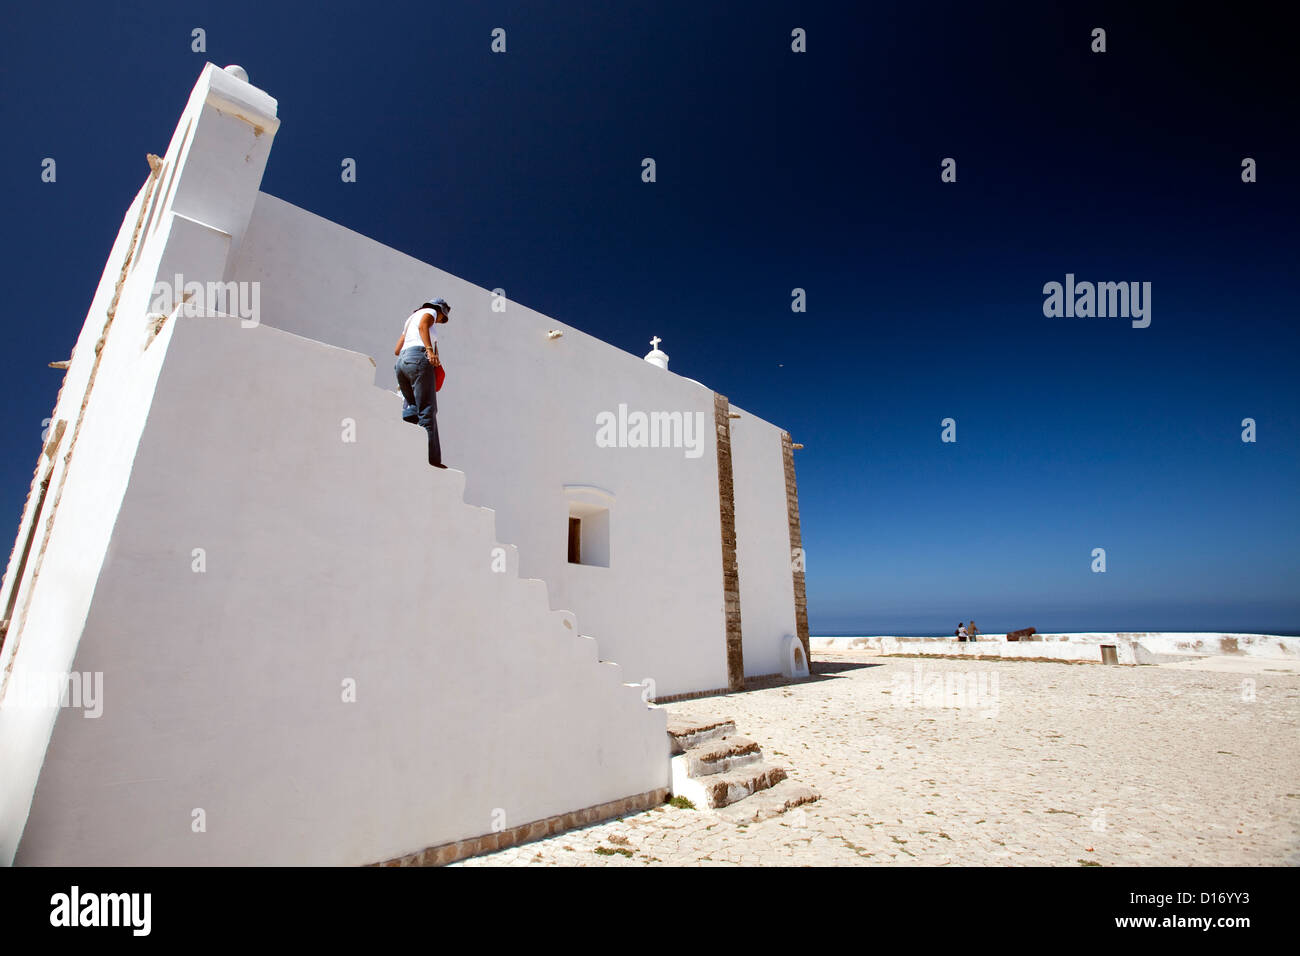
point(589, 525)
point(794, 662)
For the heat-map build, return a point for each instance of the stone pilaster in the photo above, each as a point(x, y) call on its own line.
point(796, 548)
point(730, 570)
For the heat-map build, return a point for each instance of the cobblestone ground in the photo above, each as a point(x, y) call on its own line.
point(942, 762)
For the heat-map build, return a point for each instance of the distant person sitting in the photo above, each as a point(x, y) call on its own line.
point(417, 360)
point(961, 632)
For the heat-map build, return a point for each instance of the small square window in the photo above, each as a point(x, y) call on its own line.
point(589, 536)
point(588, 514)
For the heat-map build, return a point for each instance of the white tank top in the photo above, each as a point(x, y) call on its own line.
point(413, 339)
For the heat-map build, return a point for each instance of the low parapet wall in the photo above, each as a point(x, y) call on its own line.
point(987, 647)
point(1130, 647)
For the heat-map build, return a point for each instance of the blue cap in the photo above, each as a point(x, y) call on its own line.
point(438, 304)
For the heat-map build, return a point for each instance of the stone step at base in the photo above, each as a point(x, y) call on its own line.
point(721, 756)
point(771, 802)
point(724, 789)
point(684, 732)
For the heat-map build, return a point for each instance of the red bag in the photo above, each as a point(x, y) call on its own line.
point(438, 376)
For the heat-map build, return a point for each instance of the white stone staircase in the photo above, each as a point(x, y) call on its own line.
point(455, 480)
point(483, 717)
point(716, 768)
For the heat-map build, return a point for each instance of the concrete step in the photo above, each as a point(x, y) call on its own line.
point(684, 732)
point(772, 802)
point(721, 756)
point(723, 789)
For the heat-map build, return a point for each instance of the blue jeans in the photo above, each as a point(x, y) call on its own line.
point(415, 379)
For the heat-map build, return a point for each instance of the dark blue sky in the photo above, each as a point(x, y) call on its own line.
point(778, 170)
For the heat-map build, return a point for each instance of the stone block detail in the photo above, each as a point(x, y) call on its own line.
point(796, 547)
point(730, 570)
point(692, 695)
point(528, 832)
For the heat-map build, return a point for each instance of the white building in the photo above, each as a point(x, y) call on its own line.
point(305, 645)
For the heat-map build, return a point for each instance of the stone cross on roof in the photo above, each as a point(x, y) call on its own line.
point(654, 342)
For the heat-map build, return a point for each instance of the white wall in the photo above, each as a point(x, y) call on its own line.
point(43, 634)
point(518, 415)
point(325, 560)
point(762, 542)
point(52, 605)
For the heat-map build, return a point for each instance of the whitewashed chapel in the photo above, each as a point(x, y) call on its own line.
point(305, 645)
